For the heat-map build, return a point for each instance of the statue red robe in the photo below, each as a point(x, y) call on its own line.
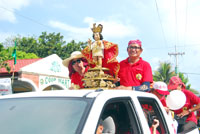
point(109, 60)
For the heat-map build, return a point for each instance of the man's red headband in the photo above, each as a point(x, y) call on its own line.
point(135, 42)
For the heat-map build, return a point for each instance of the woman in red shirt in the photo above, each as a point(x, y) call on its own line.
point(77, 66)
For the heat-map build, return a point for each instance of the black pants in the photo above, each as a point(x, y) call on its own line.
point(190, 125)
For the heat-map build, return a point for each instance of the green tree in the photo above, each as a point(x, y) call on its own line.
point(164, 72)
point(48, 44)
point(3, 59)
point(28, 45)
point(71, 47)
point(4, 64)
point(1, 47)
point(184, 80)
point(194, 91)
point(7, 54)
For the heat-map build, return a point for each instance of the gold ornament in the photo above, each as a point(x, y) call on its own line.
point(97, 29)
point(96, 78)
point(184, 108)
point(139, 76)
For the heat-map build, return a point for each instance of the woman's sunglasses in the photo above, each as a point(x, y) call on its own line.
point(74, 61)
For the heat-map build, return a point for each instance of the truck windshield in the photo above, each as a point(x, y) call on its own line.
point(42, 115)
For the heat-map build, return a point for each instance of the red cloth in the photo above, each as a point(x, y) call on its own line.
point(147, 107)
point(76, 78)
point(163, 101)
point(157, 132)
point(191, 99)
point(135, 74)
point(135, 42)
point(109, 60)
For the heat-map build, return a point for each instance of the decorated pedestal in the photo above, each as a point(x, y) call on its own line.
point(98, 77)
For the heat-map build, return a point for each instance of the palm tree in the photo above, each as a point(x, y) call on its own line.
point(164, 72)
point(184, 80)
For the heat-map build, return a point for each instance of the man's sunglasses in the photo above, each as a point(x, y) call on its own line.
point(74, 61)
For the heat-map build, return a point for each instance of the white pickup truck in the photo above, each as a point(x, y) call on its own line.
point(80, 112)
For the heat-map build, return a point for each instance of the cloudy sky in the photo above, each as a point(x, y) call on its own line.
point(159, 24)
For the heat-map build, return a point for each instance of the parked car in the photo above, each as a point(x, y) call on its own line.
point(80, 112)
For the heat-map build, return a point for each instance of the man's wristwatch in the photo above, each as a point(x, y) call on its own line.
point(189, 110)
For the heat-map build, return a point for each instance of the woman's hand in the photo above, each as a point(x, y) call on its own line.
point(155, 123)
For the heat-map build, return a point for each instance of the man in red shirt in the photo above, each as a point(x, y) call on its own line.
point(188, 109)
point(135, 73)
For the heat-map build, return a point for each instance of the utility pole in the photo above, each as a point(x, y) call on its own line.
point(176, 55)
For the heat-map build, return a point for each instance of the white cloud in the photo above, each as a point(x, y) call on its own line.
point(74, 33)
point(8, 7)
point(89, 20)
point(116, 29)
point(111, 29)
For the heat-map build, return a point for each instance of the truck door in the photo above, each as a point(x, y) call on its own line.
point(123, 115)
point(152, 109)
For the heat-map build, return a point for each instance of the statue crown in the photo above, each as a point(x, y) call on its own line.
point(97, 29)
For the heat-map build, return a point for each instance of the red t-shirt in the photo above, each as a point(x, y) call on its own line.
point(135, 74)
point(191, 100)
point(76, 78)
point(151, 129)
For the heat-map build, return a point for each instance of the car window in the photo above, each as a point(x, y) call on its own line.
point(41, 115)
point(123, 114)
point(152, 111)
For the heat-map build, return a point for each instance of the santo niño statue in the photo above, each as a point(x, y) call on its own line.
point(97, 47)
point(101, 53)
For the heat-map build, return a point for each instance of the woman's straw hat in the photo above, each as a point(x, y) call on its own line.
point(74, 55)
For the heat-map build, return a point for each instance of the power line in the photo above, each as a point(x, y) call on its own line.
point(176, 54)
point(186, 11)
point(176, 26)
point(198, 45)
point(161, 23)
point(190, 73)
point(25, 17)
